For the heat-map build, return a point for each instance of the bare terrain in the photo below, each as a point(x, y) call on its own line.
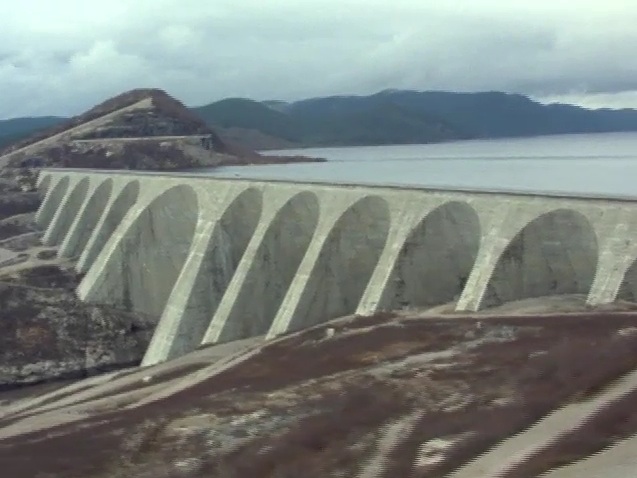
point(396, 394)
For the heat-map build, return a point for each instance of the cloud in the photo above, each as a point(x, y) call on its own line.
point(62, 57)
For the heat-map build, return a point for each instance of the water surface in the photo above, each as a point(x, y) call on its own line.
point(583, 164)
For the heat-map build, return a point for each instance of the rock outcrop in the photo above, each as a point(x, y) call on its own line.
point(47, 334)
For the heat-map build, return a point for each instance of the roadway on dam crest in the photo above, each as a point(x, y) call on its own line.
point(228, 259)
point(204, 174)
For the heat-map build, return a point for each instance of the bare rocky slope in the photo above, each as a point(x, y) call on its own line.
point(410, 394)
point(46, 333)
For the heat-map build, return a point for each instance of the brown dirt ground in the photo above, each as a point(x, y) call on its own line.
point(472, 382)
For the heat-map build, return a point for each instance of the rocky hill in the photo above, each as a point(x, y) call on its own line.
point(140, 129)
point(133, 115)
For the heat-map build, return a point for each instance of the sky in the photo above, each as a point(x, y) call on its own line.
point(60, 57)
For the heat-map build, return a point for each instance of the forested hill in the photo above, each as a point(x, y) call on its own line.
point(395, 116)
point(16, 129)
point(388, 117)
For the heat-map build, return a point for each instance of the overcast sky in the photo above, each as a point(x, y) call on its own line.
point(63, 56)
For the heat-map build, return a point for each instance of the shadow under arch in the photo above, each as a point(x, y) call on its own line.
point(554, 254)
point(228, 242)
point(436, 259)
point(345, 264)
point(142, 269)
point(69, 212)
point(89, 218)
point(276, 262)
point(49, 207)
point(125, 200)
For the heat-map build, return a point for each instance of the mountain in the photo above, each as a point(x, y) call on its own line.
point(399, 116)
point(496, 114)
point(16, 129)
point(123, 132)
point(137, 113)
point(387, 117)
point(139, 129)
point(331, 121)
point(249, 114)
point(142, 129)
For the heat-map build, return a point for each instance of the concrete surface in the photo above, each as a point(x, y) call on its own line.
point(224, 259)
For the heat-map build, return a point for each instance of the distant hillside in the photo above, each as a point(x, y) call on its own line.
point(495, 114)
point(340, 121)
point(395, 116)
point(17, 129)
point(248, 114)
point(388, 117)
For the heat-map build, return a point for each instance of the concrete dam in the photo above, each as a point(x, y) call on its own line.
point(224, 259)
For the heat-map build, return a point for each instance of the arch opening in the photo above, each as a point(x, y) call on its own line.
point(69, 212)
point(49, 207)
point(436, 259)
point(143, 268)
point(228, 242)
point(345, 264)
point(114, 216)
point(89, 218)
point(555, 254)
point(276, 262)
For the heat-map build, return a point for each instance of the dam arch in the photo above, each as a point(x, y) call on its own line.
point(52, 203)
point(554, 254)
point(89, 218)
point(126, 198)
point(435, 261)
point(276, 262)
point(347, 259)
point(144, 265)
point(68, 213)
point(225, 248)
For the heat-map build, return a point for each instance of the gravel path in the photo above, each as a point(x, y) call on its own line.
point(620, 461)
point(543, 433)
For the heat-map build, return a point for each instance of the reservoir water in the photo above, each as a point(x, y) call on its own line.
point(579, 164)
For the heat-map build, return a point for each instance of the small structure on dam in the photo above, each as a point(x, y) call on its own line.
point(223, 259)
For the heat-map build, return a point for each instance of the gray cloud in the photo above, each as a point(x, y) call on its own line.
point(62, 57)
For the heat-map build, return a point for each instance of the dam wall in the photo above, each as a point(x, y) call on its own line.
point(226, 259)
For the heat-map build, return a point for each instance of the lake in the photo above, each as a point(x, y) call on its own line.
point(579, 164)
